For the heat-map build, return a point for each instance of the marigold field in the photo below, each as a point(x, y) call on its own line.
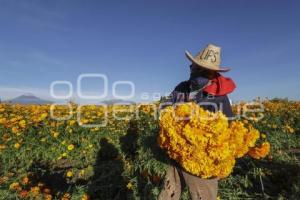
point(44, 158)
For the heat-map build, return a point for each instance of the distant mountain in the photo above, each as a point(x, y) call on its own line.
point(28, 99)
point(117, 101)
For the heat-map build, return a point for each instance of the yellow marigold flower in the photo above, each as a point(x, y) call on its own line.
point(71, 147)
point(274, 126)
point(22, 123)
point(95, 129)
point(35, 191)
point(15, 186)
point(17, 145)
point(81, 173)
point(14, 119)
point(43, 116)
point(72, 122)
point(2, 120)
point(69, 174)
point(85, 197)
point(260, 152)
point(84, 121)
point(3, 179)
point(2, 146)
point(55, 134)
point(289, 129)
point(245, 121)
point(129, 186)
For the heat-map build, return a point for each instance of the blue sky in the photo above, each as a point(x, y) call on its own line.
point(144, 42)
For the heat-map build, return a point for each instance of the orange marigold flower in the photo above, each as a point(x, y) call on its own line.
point(260, 152)
point(25, 180)
point(48, 197)
point(46, 190)
point(66, 196)
point(23, 194)
point(15, 130)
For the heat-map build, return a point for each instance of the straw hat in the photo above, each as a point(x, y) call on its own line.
point(208, 58)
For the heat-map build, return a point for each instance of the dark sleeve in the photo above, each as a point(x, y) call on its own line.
point(227, 109)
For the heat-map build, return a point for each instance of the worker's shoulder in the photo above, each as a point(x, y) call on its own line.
point(182, 86)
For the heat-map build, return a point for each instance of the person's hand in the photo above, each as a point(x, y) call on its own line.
point(209, 83)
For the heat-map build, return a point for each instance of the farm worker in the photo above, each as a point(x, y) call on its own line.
point(207, 87)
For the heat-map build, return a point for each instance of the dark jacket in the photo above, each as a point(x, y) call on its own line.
point(183, 93)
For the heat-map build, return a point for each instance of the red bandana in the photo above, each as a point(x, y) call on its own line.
point(220, 86)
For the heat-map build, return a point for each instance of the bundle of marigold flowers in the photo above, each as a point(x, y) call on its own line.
point(202, 142)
